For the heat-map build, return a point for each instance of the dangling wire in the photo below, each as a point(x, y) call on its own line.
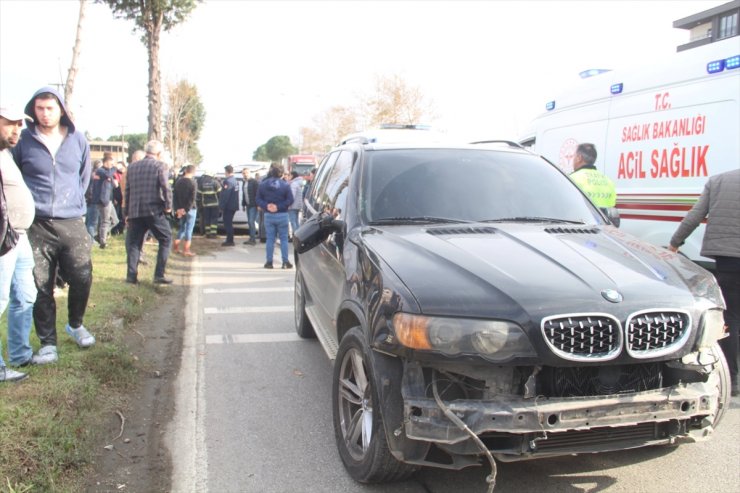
point(491, 479)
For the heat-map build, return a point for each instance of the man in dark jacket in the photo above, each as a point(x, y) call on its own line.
point(249, 202)
point(229, 203)
point(54, 158)
point(147, 199)
point(104, 183)
point(274, 197)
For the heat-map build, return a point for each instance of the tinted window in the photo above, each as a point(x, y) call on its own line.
point(335, 194)
point(468, 184)
point(319, 181)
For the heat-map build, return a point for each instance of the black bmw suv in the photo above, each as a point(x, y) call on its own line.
point(478, 306)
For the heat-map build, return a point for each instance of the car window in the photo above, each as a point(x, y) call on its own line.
point(335, 193)
point(468, 185)
point(319, 181)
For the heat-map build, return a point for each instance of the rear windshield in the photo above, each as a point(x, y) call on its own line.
point(468, 185)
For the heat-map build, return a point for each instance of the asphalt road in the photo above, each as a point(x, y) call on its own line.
point(254, 412)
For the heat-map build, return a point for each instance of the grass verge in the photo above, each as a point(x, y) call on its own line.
point(50, 422)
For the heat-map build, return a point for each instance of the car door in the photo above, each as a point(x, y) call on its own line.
point(323, 266)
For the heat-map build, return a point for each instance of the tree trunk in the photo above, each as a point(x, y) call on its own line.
point(70, 85)
point(155, 85)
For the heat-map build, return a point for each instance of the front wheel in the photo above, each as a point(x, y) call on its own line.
point(303, 325)
point(358, 424)
point(721, 377)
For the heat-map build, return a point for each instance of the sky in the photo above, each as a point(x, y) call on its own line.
point(265, 68)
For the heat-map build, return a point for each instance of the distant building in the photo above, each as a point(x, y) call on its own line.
point(711, 25)
point(118, 148)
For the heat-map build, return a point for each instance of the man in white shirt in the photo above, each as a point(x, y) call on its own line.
point(17, 287)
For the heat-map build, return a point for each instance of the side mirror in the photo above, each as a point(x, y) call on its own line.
point(612, 213)
point(314, 231)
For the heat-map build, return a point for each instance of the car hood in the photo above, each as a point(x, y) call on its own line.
point(524, 272)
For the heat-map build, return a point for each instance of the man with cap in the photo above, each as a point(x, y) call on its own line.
point(54, 159)
point(229, 203)
point(17, 289)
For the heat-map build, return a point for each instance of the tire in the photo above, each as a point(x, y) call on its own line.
point(358, 424)
point(721, 375)
point(303, 325)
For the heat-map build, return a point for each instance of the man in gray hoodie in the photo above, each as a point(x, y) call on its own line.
point(720, 204)
point(54, 159)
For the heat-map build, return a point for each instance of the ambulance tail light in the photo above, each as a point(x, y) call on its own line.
point(617, 88)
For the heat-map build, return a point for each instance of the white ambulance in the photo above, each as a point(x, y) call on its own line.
point(660, 132)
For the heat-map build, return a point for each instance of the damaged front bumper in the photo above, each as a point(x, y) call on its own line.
point(516, 428)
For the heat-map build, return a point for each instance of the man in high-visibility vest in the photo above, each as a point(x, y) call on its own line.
point(596, 185)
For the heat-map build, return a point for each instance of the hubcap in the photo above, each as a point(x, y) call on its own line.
point(355, 404)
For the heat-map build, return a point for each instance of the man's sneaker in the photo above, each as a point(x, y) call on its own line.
point(81, 336)
point(268, 265)
point(162, 280)
point(46, 355)
point(10, 375)
point(287, 265)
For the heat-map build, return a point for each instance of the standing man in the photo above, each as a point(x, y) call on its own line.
point(17, 288)
point(208, 189)
point(104, 184)
point(296, 188)
point(720, 204)
point(147, 199)
point(596, 185)
point(308, 177)
point(229, 203)
point(91, 216)
point(54, 158)
point(274, 197)
point(249, 201)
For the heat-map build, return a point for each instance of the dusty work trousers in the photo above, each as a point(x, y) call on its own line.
point(62, 243)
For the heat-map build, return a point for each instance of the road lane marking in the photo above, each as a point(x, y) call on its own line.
point(252, 338)
point(247, 309)
point(246, 290)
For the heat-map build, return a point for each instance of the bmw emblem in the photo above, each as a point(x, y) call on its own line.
point(611, 295)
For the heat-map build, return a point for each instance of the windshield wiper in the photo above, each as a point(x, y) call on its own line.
point(530, 219)
point(416, 219)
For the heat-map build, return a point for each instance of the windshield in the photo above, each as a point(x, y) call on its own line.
point(421, 185)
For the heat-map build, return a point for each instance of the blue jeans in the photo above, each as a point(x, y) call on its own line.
point(293, 216)
point(252, 221)
point(187, 223)
point(276, 224)
point(18, 291)
point(91, 220)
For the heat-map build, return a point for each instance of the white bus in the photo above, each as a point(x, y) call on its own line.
point(660, 132)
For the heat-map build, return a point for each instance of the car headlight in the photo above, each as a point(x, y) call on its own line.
point(714, 328)
point(497, 340)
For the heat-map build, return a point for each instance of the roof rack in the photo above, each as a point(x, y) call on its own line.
point(510, 143)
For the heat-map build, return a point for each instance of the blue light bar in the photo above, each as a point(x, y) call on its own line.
point(550, 106)
point(617, 88)
point(732, 62)
point(715, 66)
